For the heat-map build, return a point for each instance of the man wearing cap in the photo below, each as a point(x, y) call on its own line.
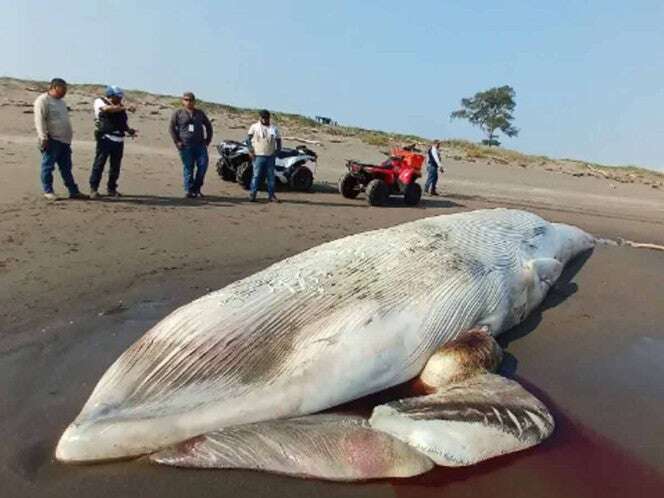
point(110, 128)
point(264, 141)
point(191, 132)
point(55, 133)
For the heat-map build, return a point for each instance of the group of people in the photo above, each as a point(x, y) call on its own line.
point(189, 128)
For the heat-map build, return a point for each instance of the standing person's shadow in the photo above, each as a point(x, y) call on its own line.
point(560, 291)
point(161, 200)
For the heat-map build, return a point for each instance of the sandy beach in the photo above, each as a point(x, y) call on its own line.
point(80, 281)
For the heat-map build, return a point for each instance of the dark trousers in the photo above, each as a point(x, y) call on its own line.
point(432, 179)
point(107, 149)
point(194, 156)
point(60, 153)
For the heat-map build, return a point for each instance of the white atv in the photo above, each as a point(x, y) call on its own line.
point(293, 167)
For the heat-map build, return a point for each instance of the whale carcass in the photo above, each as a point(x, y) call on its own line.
point(334, 323)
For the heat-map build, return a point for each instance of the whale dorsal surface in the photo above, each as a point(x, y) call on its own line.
point(344, 319)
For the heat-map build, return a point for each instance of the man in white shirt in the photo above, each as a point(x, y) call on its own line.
point(433, 166)
point(54, 132)
point(264, 141)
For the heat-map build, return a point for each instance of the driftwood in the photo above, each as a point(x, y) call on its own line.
point(642, 245)
point(303, 140)
point(624, 242)
point(597, 171)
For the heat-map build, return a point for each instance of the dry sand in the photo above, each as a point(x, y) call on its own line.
point(80, 281)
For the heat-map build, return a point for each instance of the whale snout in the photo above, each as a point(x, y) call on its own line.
point(572, 241)
point(82, 443)
point(114, 439)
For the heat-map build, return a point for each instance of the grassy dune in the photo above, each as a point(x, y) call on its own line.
point(461, 150)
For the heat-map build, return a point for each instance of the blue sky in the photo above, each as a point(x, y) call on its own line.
point(588, 75)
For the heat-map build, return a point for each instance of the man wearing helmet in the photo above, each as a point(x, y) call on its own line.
point(111, 127)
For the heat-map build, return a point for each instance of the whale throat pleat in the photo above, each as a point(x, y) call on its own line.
point(469, 421)
point(336, 447)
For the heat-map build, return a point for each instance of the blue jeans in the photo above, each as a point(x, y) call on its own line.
point(60, 153)
point(432, 179)
point(194, 156)
point(263, 165)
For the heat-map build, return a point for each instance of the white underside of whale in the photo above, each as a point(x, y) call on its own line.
point(339, 321)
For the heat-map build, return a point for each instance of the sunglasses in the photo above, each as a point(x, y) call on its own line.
point(187, 99)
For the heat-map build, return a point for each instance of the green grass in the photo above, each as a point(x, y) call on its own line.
point(378, 139)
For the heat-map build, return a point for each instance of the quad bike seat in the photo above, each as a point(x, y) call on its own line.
point(364, 165)
point(233, 142)
point(411, 159)
point(285, 152)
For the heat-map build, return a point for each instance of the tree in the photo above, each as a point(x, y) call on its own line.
point(490, 110)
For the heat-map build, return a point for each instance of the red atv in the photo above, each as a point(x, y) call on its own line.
point(395, 176)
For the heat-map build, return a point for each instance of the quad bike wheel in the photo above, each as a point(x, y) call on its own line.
point(348, 186)
point(412, 194)
point(244, 173)
point(225, 172)
point(377, 192)
point(301, 179)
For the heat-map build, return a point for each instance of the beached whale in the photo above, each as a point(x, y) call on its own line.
point(339, 321)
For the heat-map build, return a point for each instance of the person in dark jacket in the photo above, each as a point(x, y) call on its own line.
point(191, 132)
point(111, 125)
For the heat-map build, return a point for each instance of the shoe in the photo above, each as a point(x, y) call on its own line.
point(190, 195)
point(434, 194)
point(79, 196)
point(94, 194)
point(113, 193)
point(252, 198)
point(50, 196)
point(199, 194)
point(274, 199)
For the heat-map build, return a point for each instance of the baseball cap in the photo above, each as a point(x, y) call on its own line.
point(114, 91)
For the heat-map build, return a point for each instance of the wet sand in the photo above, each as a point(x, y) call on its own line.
point(81, 281)
point(593, 353)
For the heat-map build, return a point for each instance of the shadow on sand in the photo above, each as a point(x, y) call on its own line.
point(608, 470)
point(562, 289)
point(395, 201)
point(173, 201)
point(299, 197)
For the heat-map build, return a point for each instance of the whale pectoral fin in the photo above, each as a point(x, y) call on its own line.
point(325, 446)
point(472, 353)
point(467, 422)
point(546, 269)
point(545, 272)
